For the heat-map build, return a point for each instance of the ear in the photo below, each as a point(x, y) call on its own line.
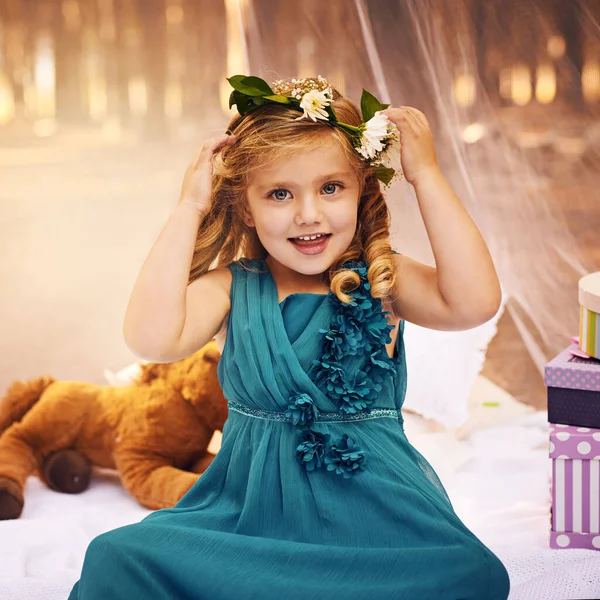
point(247, 217)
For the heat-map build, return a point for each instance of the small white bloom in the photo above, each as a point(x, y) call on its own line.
point(313, 104)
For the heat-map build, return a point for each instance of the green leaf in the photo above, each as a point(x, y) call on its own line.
point(279, 99)
point(384, 174)
point(251, 86)
point(240, 100)
point(259, 84)
point(250, 91)
point(236, 80)
point(369, 105)
point(332, 116)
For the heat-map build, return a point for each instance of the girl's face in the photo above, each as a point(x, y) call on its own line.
point(313, 193)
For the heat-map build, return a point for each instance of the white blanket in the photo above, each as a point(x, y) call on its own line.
point(497, 480)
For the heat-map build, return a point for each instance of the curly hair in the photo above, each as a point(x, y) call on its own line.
point(265, 135)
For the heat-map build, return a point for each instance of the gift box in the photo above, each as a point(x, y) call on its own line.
point(573, 389)
point(589, 319)
point(575, 454)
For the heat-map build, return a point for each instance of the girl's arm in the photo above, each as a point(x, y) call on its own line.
point(167, 319)
point(463, 290)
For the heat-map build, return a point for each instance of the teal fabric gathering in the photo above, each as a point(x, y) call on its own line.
point(316, 493)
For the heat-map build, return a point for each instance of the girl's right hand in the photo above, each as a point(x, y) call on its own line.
point(197, 181)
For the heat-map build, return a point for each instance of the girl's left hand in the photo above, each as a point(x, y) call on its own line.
point(417, 148)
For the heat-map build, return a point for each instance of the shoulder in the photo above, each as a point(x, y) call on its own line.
point(213, 286)
point(219, 278)
point(223, 277)
point(409, 265)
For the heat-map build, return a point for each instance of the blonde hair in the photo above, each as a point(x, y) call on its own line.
point(265, 135)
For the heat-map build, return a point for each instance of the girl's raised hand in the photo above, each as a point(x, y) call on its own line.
point(417, 148)
point(197, 181)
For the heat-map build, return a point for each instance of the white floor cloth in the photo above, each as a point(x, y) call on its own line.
point(497, 479)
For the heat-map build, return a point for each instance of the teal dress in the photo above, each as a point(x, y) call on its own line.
point(316, 493)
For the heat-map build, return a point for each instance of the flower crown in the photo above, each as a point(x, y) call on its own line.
point(372, 139)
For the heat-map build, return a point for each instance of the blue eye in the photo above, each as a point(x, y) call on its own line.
point(279, 194)
point(331, 188)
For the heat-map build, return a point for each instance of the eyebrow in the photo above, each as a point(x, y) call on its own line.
point(286, 184)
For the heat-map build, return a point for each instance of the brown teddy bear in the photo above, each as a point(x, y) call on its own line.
point(155, 432)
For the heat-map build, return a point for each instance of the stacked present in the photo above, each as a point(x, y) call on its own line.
point(573, 382)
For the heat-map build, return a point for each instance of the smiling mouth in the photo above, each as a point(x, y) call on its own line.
point(311, 244)
point(310, 238)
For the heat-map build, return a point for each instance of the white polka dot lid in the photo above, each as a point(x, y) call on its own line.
point(568, 441)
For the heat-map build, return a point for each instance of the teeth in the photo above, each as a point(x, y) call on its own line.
point(308, 238)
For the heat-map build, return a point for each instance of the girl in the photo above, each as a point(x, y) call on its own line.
point(316, 492)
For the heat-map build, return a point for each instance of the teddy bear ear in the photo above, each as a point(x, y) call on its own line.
point(211, 353)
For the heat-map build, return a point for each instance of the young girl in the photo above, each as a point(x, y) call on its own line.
point(316, 493)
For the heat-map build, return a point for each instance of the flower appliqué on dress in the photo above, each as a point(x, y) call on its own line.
point(302, 411)
point(345, 458)
point(359, 328)
point(312, 449)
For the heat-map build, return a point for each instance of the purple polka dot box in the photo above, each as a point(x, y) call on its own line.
point(575, 454)
point(573, 389)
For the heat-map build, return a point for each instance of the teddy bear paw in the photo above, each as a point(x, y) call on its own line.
point(11, 499)
point(67, 471)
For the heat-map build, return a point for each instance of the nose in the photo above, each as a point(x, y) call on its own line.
point(309, 210)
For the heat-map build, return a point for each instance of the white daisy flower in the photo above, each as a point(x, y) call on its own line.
point(313, 104)
point(375, 135)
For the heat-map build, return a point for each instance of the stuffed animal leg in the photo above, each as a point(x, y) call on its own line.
point(31, 444)
point(151, 479)
point(152, 443)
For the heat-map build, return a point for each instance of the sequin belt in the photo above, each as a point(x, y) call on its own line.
point(273, 415)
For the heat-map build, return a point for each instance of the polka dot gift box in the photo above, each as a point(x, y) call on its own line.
point(575, 454)
point(573, 389)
